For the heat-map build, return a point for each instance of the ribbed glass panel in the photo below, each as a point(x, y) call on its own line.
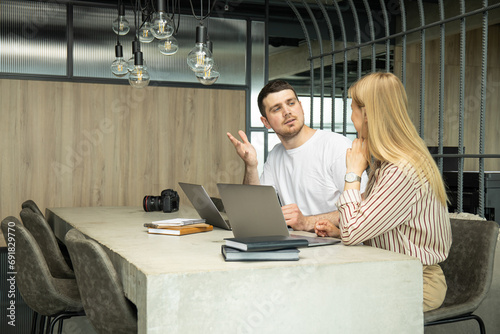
point(229, 38)
point(33, 37)
point(94, 41)
point(258, 66)
point(94, 47)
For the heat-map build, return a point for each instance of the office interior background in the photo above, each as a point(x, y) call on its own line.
point(73, 134)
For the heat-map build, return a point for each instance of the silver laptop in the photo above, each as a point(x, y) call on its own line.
point(255, 211)
point(204, 205)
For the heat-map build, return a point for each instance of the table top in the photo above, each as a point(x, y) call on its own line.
point(121, 230)
point(170, 278)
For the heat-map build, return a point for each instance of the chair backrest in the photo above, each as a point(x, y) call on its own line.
point(43, 293)
point(469, 266)
point(105, 304)
point(30, 204)
point(41, 231)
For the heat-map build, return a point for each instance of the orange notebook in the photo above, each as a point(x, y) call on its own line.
point(181, 230)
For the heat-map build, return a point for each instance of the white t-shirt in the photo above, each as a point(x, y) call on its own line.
point(312, 175)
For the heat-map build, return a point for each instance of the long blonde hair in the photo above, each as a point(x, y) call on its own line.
point(391, 135)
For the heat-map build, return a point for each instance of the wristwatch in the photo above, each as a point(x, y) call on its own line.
point(352, 177)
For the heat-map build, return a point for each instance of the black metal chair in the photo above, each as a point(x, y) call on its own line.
point(468, 271)
point(55, 298)
point(104, 301)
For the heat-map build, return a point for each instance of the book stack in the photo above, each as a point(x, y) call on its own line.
point(178, 226)
point(268, 248)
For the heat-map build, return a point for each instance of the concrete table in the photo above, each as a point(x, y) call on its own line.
point(181, 284)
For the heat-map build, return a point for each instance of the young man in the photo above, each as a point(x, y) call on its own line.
point(307, 169)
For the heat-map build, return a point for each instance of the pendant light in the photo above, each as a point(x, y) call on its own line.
point(146, 30)
point(168, 46)
point(120, 25)
point(162, 25)
point(200, 58)
point(210, 75)
point(119, 67)
point(139, 77)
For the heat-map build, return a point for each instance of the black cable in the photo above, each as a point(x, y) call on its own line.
point(179, 10)
point(176, 3)
point(136, 20)
point(204, 17)
point(118, 35)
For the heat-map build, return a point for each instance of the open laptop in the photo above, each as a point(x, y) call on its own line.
point(255, 211)
point(204, 205)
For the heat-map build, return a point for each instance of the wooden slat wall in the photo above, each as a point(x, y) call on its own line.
point(77, 144)
point(451, 93)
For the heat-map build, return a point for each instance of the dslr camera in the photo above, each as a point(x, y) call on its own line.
point(168, 201)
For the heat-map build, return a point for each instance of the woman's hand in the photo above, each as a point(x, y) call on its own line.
point(325, 228)
point(356, 157)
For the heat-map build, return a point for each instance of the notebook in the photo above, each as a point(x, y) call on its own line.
point(203, 205)
point(255, 211)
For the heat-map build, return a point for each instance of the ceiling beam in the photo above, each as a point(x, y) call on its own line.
point(291, 61)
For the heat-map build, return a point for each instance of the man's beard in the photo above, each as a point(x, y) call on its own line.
point(287, 134)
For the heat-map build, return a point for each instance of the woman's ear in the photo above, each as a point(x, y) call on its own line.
point(364, 127)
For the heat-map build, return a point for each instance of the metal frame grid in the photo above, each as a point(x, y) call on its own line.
point(387, 40)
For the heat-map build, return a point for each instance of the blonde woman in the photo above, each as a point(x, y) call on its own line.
point(404, 208)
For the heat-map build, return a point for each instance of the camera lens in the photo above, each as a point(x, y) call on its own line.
point(152, 203)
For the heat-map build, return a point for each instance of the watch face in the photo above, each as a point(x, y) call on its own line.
point(351, 177)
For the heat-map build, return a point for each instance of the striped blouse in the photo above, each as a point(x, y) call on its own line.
point(400, 214)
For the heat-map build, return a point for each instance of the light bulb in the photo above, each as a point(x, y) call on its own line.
point(119, 67)
point(209, 76)
point(162, 26)
point(200, 59)
point(139, 77)
point(120, 25)
point(168, 46)
point(146, 33)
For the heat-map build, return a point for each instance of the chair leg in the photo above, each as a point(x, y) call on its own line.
point(47, 325)
point(60, 327)
point(60, 319)
point(41, 325)
point(33, 322)
point(54, 321)
point(482, 328)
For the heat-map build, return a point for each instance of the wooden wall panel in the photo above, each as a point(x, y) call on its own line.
point(76, 144)
point(472, 97)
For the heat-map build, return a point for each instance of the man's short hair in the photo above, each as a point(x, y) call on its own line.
point(272, 87)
